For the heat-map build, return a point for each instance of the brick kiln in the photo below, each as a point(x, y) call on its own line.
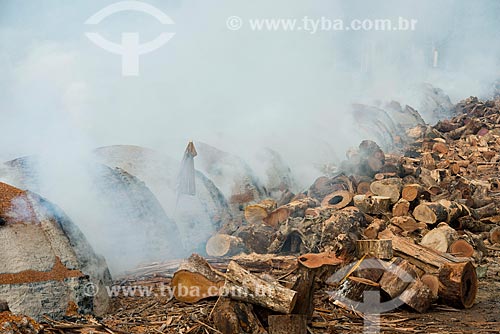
point(47, 265)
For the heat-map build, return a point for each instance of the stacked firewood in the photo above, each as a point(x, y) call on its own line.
point(428, 213)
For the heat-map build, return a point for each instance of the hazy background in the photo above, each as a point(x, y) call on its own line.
point(61, 95)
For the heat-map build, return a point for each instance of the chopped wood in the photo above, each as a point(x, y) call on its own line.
point(418, 296)
point(430, 213)
point(256, 237)
point(432, 283)
point(296, 208)
point(230, 316)
point(458, 284)
point(338, 199)
point(457, 276)
point(255, 213)
point(401, 208)
point(225, 245)
point(241, 285)
point(388, 188)
point(461, 248)
point(372, 204)
point(378, 248)
point(396, 278)
point(440, 238)
point(195, 280)
point(305, 287)
point(371, 232)
point(408, 224)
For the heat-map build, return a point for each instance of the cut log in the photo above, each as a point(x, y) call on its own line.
point(408, 224)
point(418, 296)
point(256, 237)
point(494, 236)
point(371, 269)
point(323, 186)
point(372, 158)
point(195, 280)
point(231, 317)
point(457, 276)
point(255, 213)
point(381, 249)
point(352, 291)
point(225, 245)
point(432, 283)
point(340, 232)
point(287, 324)
point(471, 224)
point(338, 199)
point(430, 213)
point(374, 228)
point(304, 285)
point(461, 248)
point(401, 208)
point(277, 217)
point(458, 284)
point(440, 238)
point(455, 210)
point(372, 205)
point(388, 188)
point(363, 188)
point(399, 274)
point(296, 208)
point(241, 285)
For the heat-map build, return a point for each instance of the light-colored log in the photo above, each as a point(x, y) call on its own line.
point(241, 285)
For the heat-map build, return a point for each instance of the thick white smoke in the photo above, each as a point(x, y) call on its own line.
point(61, 96)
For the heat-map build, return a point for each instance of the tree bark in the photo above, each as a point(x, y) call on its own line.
point(374, 205)
point(458, 284)
point(241, 285)
point(418, 296)
point(378, 248)
point(287, 324)
point(397, 277)
point(430, 213)
point(232, 317)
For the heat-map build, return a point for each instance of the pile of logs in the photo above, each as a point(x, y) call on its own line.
point(423, 218)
